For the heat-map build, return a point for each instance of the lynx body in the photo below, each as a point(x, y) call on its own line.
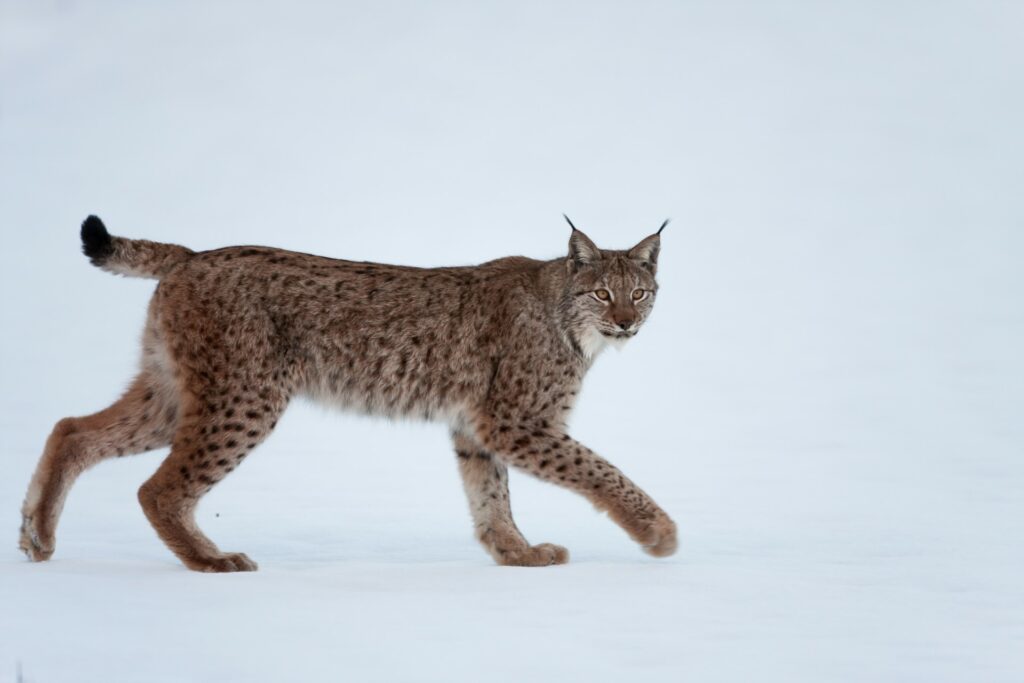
point(497, 351)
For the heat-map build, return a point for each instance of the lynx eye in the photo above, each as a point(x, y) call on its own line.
point(603, 294)
point(639, 294)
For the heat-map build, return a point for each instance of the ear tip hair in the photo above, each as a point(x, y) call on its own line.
point(568, 221)
point(663, 226)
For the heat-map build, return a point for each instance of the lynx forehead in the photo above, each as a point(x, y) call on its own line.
point(498, 351)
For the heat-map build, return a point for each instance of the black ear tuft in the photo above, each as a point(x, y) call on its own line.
point(96, 242)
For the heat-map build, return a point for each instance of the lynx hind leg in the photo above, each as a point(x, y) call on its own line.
point(217, 432)
point(485, 479)
point(142, 419)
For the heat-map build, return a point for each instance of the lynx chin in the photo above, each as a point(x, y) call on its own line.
point(497, 351)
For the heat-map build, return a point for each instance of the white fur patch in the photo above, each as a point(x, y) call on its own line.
point(592, 342)
point(121, 268)
point(617, 342)
point(35, 494)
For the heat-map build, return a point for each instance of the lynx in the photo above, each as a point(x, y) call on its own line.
point(496, 351)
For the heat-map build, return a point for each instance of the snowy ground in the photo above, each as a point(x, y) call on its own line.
point(828, 398)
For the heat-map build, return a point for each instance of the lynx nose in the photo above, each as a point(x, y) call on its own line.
point(625, 324)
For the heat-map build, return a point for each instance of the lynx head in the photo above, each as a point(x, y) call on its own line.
point(609, 293)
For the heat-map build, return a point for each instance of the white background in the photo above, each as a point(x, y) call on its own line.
point(827, 399)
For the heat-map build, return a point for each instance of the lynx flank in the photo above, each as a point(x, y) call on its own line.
point(497, 351)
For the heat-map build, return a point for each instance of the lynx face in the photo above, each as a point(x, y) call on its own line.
point(611, 293)
point(615, 295)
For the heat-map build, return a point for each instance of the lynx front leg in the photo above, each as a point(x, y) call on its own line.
point(485, 479)
point(556, 457)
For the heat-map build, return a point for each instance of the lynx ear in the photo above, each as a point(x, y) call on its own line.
point(647, 249)
point(581, 249)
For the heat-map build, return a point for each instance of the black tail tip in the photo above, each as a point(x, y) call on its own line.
point(96, 242)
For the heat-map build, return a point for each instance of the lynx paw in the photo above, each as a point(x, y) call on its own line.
point(659, 538)
point(37, 546)
point(534, 556)
point(228, 562)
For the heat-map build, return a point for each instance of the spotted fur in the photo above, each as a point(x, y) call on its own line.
point(498, 351)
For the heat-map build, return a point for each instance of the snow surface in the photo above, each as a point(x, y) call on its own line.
point(828, 398)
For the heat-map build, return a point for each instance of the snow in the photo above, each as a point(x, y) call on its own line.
point(827, 399)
